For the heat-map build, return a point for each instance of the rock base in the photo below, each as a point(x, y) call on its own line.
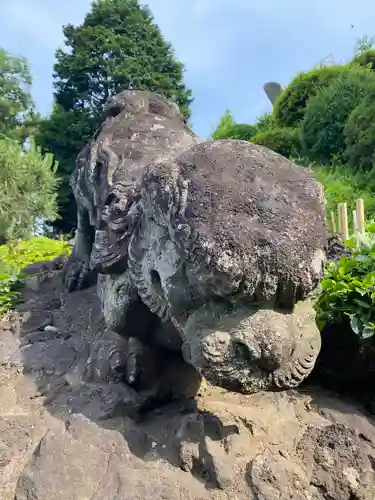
point(69, 431)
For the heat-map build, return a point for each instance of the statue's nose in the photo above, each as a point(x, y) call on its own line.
point(268, 358)
point(276, 354)
point(271, 360)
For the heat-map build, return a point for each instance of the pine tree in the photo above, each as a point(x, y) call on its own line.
point(117, 47)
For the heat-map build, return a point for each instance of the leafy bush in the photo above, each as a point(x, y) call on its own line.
point(290, 107)
point(348, 290)
point(240, 131)
point(341, 183)
point(359, 135)
point(27, 188)
point(322, 128)
point(264, 122)
point(36, 249)
point(365, 59)
point(229, 129)
point(14, 257)
point(285, 141)
point(10, 291)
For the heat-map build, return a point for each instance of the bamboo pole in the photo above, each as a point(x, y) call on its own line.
point(360, 211)
point(339, 217)
point(343, 220)
point(355, 223)
point(333, 222)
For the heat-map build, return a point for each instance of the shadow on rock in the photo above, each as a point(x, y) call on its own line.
point(345, 365)
point(60, 347)
point(71, 430)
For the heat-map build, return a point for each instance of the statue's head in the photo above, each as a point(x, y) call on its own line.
point(227, 244)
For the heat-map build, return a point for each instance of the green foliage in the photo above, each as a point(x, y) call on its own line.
point(365, 59)
point(240, 131)
point(264, 122)
point(63, 134)
point(359, 135)
point(348, 290)
point(285, 141)
point(343, 184)
point(36, 249)
point(10, 291)
point(289, 109)
point(326, 114)
point(14, 257)
point(16, 105)
point(27, 188)
point(224, 126)
point(117, 47)
point(363, 44)
point(229, 129)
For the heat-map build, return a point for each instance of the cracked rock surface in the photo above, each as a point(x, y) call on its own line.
point(71, 430)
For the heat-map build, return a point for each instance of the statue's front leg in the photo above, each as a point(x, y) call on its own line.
point(77, 273)
point(158, 375)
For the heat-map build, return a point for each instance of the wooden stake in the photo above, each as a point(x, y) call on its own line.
point(333, 222)
point(360, 215)
point(339, 218)
point(343, 220)
point(355, 224)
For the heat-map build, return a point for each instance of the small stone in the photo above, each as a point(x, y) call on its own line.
point(51, 329)
point(46, 323)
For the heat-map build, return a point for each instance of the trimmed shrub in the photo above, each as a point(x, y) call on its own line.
point(285, 141)
point(322, 128)
point(290, 107)
point(359, 135)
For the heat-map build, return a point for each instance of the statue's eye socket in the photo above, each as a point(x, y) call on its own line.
point(111, 199)
point(241, 351)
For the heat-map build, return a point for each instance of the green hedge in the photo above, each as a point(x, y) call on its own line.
point(290, 107)
point(359, 135)
point(326, 115)
point(285, 141)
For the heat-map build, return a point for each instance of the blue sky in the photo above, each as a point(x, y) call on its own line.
point(230, 47)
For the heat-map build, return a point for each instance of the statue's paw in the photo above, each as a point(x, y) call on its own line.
point(78, 275)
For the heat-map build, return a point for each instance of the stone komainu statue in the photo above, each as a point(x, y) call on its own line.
point(207, 251)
